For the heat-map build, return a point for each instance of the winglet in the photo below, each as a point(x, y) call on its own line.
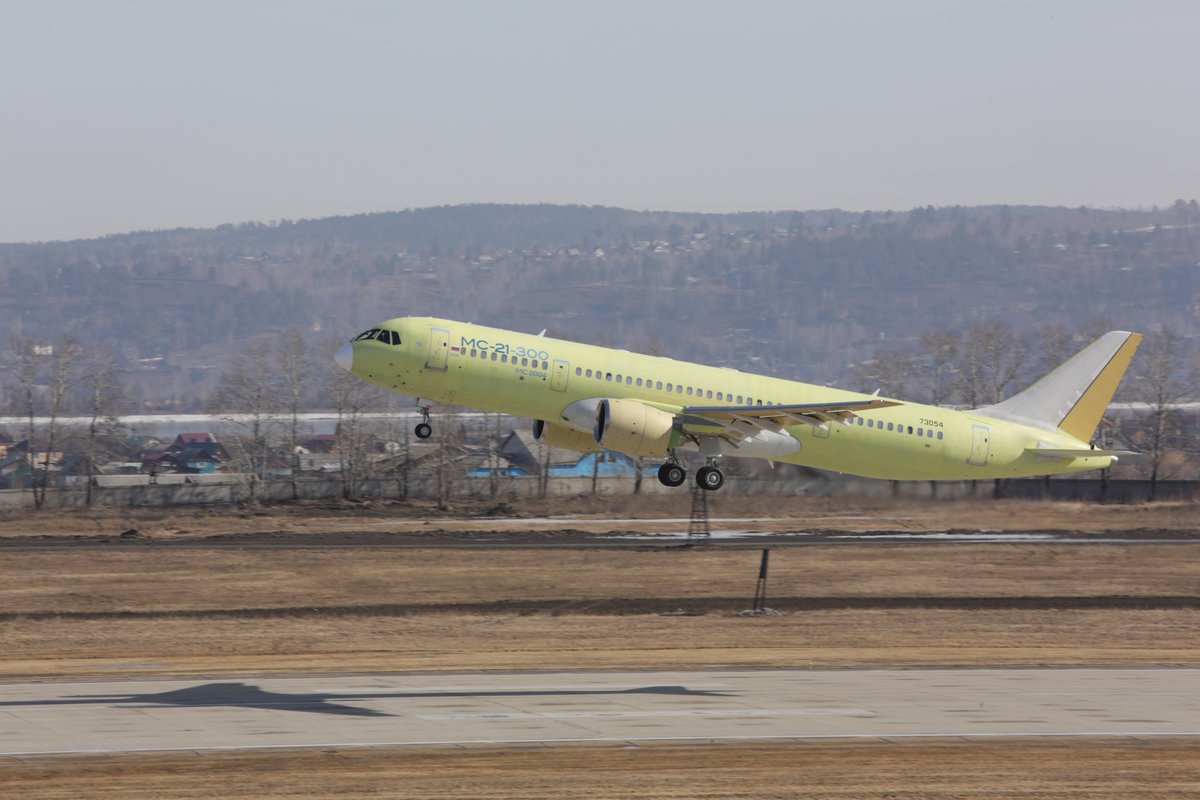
point(1073, 397)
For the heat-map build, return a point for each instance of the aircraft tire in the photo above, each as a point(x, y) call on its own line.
point(424, 430)
point(671, 475)
point(710, 478)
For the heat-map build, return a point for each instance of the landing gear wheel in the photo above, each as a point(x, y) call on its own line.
point(671, 474)
point(710, 478)
point(424, 430)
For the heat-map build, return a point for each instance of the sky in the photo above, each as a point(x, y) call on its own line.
point(123, 115)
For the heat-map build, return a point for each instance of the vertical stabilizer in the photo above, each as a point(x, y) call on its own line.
point(1073, 397)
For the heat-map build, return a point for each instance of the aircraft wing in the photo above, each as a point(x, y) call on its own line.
point(773, 418)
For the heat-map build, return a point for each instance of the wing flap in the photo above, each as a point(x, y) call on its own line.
point(774, 418)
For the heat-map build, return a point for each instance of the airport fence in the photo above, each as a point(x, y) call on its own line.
point(175, 490)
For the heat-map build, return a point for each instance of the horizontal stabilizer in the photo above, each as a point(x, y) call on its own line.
point(1077, 452)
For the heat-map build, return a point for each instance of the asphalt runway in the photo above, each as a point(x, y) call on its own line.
point(395, 710)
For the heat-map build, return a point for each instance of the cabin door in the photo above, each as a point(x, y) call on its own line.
point(439, 348)
point(980, 435)
point(559, 370)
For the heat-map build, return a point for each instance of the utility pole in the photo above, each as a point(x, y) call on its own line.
point(699, 522)
point(760, 588)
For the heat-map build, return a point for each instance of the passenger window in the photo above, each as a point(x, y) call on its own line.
point(504, 358)
point(669, 387)
point(910, 430)
point(472, 354)
point(579, 370)
point(920, 432)
point(720, 395)
point(608, 376)
point(689, 391)
point(708, 394)
point(860, 420)
point(589, 373)
point(524, 361)
point(870, 423)
point(889, 426)
point(639, 381)
point(494, 356)
point(739, 399)
point(658, 384)
point(629, 380)
point(939, 434)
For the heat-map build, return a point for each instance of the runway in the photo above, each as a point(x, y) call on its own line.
point(396, 710)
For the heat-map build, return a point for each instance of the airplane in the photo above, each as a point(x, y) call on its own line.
point(588, 398)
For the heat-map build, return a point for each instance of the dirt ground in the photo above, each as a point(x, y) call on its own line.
point(201, 592)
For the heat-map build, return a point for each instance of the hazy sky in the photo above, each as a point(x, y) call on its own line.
point(122, 116)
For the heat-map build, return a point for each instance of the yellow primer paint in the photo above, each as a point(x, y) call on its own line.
point(502, 371)
point(1082, 420)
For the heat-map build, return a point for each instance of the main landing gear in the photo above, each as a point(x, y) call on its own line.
point(709, 477)
point(672, 474)
point(424, 430)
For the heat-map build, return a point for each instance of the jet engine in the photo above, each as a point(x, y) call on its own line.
point(561, 436)
point(628, 426)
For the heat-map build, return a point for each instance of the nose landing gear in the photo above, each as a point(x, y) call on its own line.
point(424, 430)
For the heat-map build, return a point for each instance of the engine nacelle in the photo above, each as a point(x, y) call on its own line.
point(637, 429)
point(552, 435)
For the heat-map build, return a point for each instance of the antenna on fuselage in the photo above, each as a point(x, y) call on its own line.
point(543, 333)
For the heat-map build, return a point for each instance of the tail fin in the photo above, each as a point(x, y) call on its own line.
point(1074, 396)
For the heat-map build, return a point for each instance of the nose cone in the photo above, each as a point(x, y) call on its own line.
point(345, 356)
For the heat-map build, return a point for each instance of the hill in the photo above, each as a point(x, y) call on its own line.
point(797, 294)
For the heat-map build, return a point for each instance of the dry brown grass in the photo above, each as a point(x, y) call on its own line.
point(332, 620)
point(146, 578)
point(1052, 770)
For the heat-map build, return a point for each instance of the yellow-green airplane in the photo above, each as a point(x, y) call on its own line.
point(586, 398)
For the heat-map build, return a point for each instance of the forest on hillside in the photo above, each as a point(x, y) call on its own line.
point(814, 295)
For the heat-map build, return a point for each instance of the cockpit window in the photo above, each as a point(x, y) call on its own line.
point(379, 334)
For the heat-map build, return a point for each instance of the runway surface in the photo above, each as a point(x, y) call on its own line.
point(155, 715)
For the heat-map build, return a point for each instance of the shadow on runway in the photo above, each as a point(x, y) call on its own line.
point(244, 695)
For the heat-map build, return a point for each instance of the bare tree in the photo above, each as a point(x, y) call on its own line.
point(1055, 345)
point(45, 374)
point(990, 359)
point(295, 364)
point(352, 397)
point(246, 398)
point(102, 395)
point(887, 373)
point(934, 365)
point(1161, 384)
